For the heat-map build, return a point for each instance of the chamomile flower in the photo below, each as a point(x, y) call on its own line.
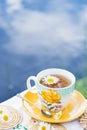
point(5, 117)
point(58, 115)
point(1, 111)
point(4, 114)
point(50, 79)
point(44, 126)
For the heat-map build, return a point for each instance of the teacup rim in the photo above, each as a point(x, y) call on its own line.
point(74, 78)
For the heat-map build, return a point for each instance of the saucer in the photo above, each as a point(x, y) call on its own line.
point(74, 109)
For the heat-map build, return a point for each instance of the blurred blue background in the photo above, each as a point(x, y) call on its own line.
point(40, 34)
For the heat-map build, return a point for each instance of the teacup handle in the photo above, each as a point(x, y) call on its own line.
point(29, 86)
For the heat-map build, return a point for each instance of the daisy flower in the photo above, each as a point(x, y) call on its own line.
point(4, 114)
point(50, 79)
point(1, 111)
point(5, 117)
point(58, 115)
point(44, 126)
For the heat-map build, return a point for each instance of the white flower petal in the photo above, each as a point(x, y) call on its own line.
point(50, 79)
point(47, 125)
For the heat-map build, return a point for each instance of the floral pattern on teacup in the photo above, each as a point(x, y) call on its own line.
point(51, 96)
point(51, 100)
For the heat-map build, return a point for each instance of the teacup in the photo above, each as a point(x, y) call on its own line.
point(54, 87)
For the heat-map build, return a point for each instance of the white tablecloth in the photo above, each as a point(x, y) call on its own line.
point(16, 103)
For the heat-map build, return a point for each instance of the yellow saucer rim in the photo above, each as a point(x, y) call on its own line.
point(51, 120)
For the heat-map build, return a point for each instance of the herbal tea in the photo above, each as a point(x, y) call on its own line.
point(55, 81)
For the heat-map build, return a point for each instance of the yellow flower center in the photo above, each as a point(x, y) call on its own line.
point(50, 80)
point(5, 117)
point(43, 128)
point(1, 111)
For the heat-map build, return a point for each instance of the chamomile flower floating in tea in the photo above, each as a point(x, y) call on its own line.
point(44, 126)
point(50, 79)
point(55, 81)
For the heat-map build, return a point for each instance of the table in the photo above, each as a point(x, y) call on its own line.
point(17, 103)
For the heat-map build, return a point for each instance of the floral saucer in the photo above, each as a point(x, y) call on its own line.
point(74, 109)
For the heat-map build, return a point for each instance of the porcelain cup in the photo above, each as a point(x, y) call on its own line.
point(53, 99)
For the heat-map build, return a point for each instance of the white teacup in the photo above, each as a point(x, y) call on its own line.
point(53, 99)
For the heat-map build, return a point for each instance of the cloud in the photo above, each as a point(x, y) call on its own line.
point(83, 16)
point(50, 31)
point(60, 5)
point(13, 5)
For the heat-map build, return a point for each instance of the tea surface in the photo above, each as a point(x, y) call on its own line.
point(55, 81)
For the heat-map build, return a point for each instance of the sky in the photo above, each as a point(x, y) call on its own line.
point(44, 24)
